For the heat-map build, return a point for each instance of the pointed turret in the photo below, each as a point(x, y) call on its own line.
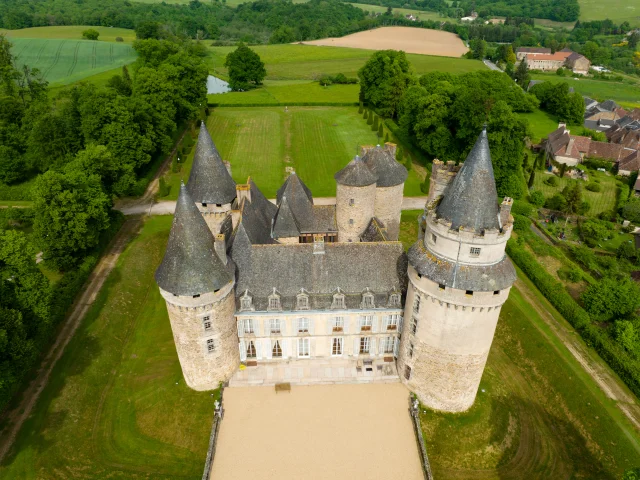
point(300, 202)
point(385, 167)
point(190, 265)
point(284, 223)
point(209, 181)
point(356, 174)
point(471, 200)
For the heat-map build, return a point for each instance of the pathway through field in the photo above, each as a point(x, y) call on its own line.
point(337, 432)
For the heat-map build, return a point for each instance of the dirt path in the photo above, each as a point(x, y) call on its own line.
point(593, 365)
point(15, 417)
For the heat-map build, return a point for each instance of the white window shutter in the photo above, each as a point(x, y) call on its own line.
point(240, 325)
point(383, 341)
point(268, 347)
point(374, 323)
point(385, 323)
point(243, 351)
point(396, 346)
point(311, 326)
point(294, 347)
point(346, 325)
point(267, 327)
point(258, 349)
point(256, 326)
point(284, 344)
point(372, 346)
point(312, 347)
point(283, 326)
point(356, 346)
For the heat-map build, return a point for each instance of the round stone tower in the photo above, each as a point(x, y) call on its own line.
point(210, 184)
point(459, 278)
point(389, 186)
point(198, 287)
point(355, 200)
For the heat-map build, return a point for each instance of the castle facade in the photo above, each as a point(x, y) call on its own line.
point(260, 293)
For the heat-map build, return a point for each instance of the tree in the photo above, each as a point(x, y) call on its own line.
point(611, 298)
point(510, 57)
point(90, 34)
point(633, 39)
point(557, 203)
point(631, 211)
point(365, 116)
point(573, 195)
point(71, 211)
point(384, 79)
point(374, 127)
point(148, 29)
point(246, 70)
point(521, 75)
point(594, 231)
point(536, 197)
point(478, 48)
point(360, 108)
point(532, 179)
point(380, 131)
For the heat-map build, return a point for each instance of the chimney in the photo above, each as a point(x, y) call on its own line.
point(391, 148)
point(364, 149)
point(505, 211)
point(243, 191)
point(221, 247)
point(318, 244)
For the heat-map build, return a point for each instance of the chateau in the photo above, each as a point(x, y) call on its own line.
point(261, 293)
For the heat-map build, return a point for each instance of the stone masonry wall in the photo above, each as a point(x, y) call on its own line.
point(353, 219)
point(203, 370)
point(388, 208)
point(214, 215)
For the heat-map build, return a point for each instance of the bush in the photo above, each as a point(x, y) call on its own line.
point(572, 274)
point(611, 298)
point(594, 164)
point(631, 211)
point(536, 197)
point(557, 202)
point(521, 223)
point(594, 187)
point(521, 208)
point(325, 80)
point(163, 188)
point(90, 34)
point(552, 181)
point(119, 39)
point(594, 231)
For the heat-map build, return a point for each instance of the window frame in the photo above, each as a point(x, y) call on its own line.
point(211, 345)
point(475, 251)
point(365, 346)
point(299, 328)
point(304, 345)
point(275, 326)
point(414, 325)
point(248, 327)
point(276, 343)
point(251, 350)
point(339, 342)
point(338, 301)
point(206, 323)
point(366, 323)
point(389, 345)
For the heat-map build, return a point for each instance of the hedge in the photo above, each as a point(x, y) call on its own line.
point(627, 367)
point(285, 104)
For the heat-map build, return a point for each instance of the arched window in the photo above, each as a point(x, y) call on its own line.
point(367, 300)
point(246, 302)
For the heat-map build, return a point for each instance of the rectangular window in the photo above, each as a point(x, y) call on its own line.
point(442, 286)
point(352, 202)
point(392, 322)
point(416, 304)
point(365, 323)
point(364, 344)
point(414, 325)
point(433, 238)
point(388, 344)
point(338, 324)
point(407, 372)
point(274, 325)
point(196, 296)
point(336, 346)
point(251, 349)
point(469, 293)
point(248, 326)
point(410, 350)
point(367, 301)
point(303, 347)
point(276, 350)
point(303, 325)
point(351, 221)
point(475, 251)
point(274, 303)
point(206, 321)
point(211, 347)
point(496, 292)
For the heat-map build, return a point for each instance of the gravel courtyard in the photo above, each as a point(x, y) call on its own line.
point(317, 432)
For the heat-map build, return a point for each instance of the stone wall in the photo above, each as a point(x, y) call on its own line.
point(353, 217)
point(214, 215)
point(388, 208)
point(203, 370)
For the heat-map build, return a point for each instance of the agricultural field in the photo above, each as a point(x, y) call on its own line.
point(623, 93)
point(291, 91)
point(421, 14)
point(66, 61)
point(71, 32)
point(308, 62)
point(116, 405)
point(617, 10)
point(262, 142)
point(411, 40)
point(602, 201)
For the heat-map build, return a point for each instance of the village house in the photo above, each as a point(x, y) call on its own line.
point(542, 59)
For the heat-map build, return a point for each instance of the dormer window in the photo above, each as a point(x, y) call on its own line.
point(394, 300)
point(246, 302)
point(367, 300)
point(338, 301)
point(475, 252)
point(274, 301)
point(302, 301)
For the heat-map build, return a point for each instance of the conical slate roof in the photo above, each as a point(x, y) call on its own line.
point(356, 174)
point(190, 265)
point(284, 223)
point(471, 201)
point(300, 202)
point(381, 162)
point(209, 181)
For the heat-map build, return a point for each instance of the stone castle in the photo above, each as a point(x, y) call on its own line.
point(260, 293)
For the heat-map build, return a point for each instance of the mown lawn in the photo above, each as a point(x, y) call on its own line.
point(541, 124)
point(617, 10)
point(116, 405)
point(602, 201)
point(74, 32)
point(262, 142)
point(597, 89)
point(308, 62)
point(64, 61)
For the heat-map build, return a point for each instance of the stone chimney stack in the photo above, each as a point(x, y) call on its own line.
point(505, 211)
point(221, 247)
point(318, 244)
point(242, 192)
point(364, 149)
point(441, 176)
point(391, 148)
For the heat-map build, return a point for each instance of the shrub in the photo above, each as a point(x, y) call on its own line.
point(594, 231)
point(557, 202)
point(424, 186)
point(536, 197)
point(552, 181)
point(325, 80)
point(594, 164)
point(611, 298)
point(119, 39)
point(521, 223)
point(631, 211)
point(594, 187)
point(572, 274)
point(360, 108)
point(521, 208)
point(90, 34)
point(163, 188)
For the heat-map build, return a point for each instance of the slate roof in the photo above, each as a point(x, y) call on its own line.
point(471, 200)
point(356, 174)
point(300, 202)
point(209, 181)
point(609, 105)
point(190, 265)
point(383, 165)
point(631, 162)
point(352, 267)
point(256, 217)
point(284, 223)
point(588, 102)
point(477, 278)
point(375, 232)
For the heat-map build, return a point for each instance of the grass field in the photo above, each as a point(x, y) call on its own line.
point(117, 405)
point(292, 91)
point(107, 34)
point(616, 10)
point(67, 61)
point(598, 89)
point(422, 15)
point(262, 142)
point(600, 201)
point(308, 62)
point(541, 124)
